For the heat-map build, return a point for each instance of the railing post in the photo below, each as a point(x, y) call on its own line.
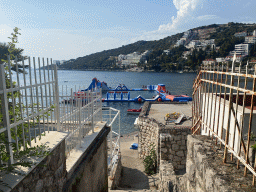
point(5, 113)
point(101, 105)
point(80, 119)
point(92, 103)
point(57, 113)
point(229, 112)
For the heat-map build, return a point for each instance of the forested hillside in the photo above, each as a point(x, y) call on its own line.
point(157, 60)
point(101, 59)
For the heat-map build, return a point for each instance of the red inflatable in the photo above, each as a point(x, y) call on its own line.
point(159, 99)
point(139, 100)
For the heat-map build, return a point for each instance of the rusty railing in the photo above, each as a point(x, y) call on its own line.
point(223, 108)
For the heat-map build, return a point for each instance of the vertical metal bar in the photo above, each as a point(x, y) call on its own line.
point(21, 111)
point(215, 105)
point(218, 119)
point(37, 98)
point(225, 94)
point(42, 94)
point(119, 129)
point(250, 123)
point(53, 93)
point(242, 119)
point(5, 113)
point(63, 111)
point(13, 101)
point(31, 94)
point(92, 103)
point(229, 113)
point(49, 88)
point(207, 111)
point(71, 109)
point(80, 126)
point(210, 120)
point(46, 95)
point(237, 97)
point(26, 98)
point(57, 97)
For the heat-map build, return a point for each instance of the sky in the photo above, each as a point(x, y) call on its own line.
point(68, 29)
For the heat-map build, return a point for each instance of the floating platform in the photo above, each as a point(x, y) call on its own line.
point(122, 94)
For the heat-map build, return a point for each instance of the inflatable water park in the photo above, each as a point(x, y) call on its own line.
point(122, 94)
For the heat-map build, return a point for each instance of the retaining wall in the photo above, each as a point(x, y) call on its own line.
point(174, 146)
point(49, 175)
point(84, 170)
point(205, 170)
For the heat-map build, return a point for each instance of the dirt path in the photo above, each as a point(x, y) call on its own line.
point(133, 176)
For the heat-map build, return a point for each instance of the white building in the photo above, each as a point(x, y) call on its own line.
point(254, 33)
point(241, 34)
point(209, 62)
point(250, 39)
point(132, 59)
point(220, 59)
point(242, 49)
point(180, 42)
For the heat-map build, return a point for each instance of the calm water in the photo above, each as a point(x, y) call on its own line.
point(175, 83)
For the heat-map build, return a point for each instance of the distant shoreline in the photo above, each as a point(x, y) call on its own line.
point(150, 71)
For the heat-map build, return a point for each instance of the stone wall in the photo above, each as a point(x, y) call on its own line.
point(91, 172)
point(174, 146)
point(114, 181)
point(148, 134)
point(49, 175)
point(168, 179)
point(88, 173)
point(205, 170)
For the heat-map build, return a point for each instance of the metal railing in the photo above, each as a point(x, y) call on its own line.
point(28, 98)
point(79, 114)
point(31, 107)
point(112, 117)
point(223, 103)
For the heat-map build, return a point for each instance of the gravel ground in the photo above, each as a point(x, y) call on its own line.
point(133, 176)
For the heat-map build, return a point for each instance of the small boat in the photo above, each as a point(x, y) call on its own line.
point(134, 111)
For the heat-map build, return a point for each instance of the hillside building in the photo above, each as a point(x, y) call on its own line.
point(209, 62)
point(241, 34)
point(250, 39)
point(220, 59)
point(239, 58)
point(241, 49)
point(133, 58)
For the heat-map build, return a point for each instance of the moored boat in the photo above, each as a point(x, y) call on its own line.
point(134, 111)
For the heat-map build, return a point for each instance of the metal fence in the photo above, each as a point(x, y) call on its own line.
point(79, 114)
point(223, 103)
point(28, 98)
point(31, 106)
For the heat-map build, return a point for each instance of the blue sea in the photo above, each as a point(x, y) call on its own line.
point(176, 83)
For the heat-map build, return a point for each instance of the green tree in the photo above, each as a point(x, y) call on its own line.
point(22, 149)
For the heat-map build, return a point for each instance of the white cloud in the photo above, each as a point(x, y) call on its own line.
point(184, 19)
point(186, 9)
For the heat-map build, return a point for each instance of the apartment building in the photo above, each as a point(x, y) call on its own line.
point(209, 62)
point(241, 34)
point(241, 49)
point(250, 39)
